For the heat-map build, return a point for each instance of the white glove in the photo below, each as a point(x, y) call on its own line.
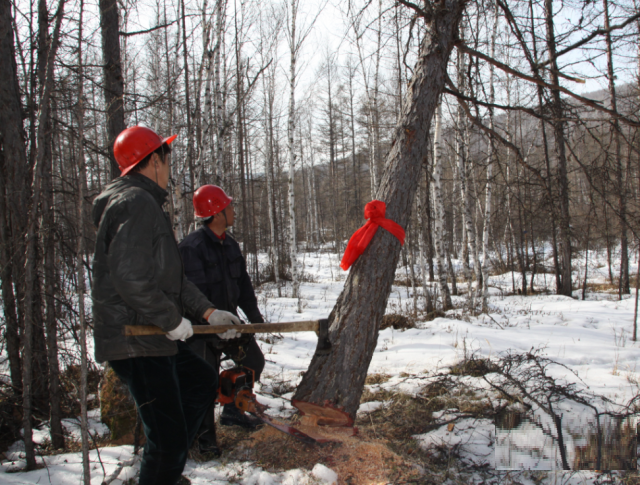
point(182, 331)
point(220, 317)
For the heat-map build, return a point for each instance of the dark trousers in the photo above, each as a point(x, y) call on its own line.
point(249, 355)
point(172, 394)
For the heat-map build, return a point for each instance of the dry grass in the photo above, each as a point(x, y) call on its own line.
point(473, 367)
point(376, 379)
point(398, 322)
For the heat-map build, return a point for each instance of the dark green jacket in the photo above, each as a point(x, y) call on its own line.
point(138, 277)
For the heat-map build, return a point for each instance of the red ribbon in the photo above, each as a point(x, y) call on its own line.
point(374, 211)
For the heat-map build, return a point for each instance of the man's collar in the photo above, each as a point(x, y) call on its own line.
point(212, 235)
point(150, 186)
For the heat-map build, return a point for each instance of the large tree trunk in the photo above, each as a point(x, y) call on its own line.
point(113, 80)
point(354, 322)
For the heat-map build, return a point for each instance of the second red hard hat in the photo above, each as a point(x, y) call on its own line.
point(135, 143)
point(208, 200)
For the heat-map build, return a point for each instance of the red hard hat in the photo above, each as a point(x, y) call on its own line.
point(208, 200)
point(135, 143)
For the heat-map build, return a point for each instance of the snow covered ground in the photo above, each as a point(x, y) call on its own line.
point(592, 338)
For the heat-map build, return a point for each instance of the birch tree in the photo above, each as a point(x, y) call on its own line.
point(439, 231)
point(294, 48)
point(492, 156)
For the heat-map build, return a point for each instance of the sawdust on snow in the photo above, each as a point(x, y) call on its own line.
point(356, 461)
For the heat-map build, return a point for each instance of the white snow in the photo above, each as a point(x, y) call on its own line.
point(324, 474)
point(592, 338)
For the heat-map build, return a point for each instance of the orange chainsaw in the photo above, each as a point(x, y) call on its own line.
point(236, 386)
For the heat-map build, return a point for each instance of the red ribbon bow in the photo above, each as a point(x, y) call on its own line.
point(374, 211)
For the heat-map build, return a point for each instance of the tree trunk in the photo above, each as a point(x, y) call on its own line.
point(492, 156)
point(30, 273)
point(465, 192)
point(355, 320)
point(428, 302)
point(291, 152)
point(439, 233)
point(270, 182)
point(221, 8)
point(13, 173)
point(561, 158)
point(623, 286)
point(53, 397)
point(80, 271)
point(113, 80)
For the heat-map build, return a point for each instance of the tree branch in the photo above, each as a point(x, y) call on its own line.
point(138, 32)
point(422, 13)
point(588, 102)
point(494, 134)
point(590, 37)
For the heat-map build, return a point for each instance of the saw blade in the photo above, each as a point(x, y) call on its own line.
point(290, 430)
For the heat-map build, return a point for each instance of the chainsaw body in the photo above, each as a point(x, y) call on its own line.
point(236, 386)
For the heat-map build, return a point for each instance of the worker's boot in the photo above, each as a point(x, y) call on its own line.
point(207, 444)
point(232, 416)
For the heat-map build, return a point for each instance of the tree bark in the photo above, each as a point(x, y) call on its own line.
point(112, 72)
point(30, 273)
point(80, 268)
point(294, 45)
point(439, 232)
point(492, 157)
point(13, 167)
point(354, 322)
point(623, 286)
point(428, 302)
point(221, 8)
point(52, 398)
point(561, 158)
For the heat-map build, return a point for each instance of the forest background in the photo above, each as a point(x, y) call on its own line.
point(291, 107)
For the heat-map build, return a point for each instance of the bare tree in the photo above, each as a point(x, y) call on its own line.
point(354, 321)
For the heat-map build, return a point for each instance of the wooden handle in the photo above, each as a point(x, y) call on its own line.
point(303, 326)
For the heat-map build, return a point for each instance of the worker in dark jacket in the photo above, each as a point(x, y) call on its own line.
point(214, 263)
point(138, 279)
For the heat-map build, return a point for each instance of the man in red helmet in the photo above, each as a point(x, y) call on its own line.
point(138, 279)
point(214, 263)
